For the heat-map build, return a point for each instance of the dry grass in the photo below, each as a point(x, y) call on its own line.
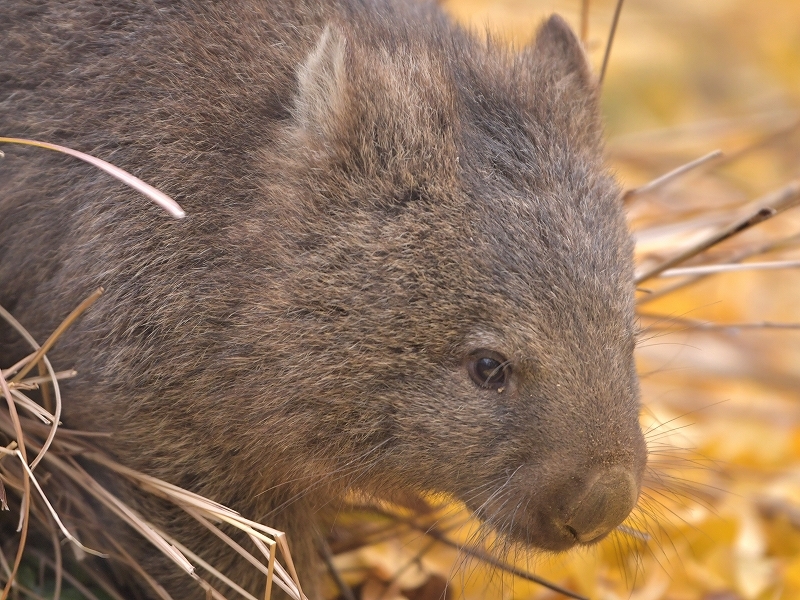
point(60, 456)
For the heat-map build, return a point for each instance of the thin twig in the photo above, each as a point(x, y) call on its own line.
point(53, 512)
point(731, 267)
point(327, 558)
point(787, 242)
point(435, 533)
point(611, 34)
point(664, 322)
point(77, 312)
point(771, 205)
point(585, 23)
point(39, 358)
point(670, 176)
point(490, 560)
point(31, 383)
point(31, 406)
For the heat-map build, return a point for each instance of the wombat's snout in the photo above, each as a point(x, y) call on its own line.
point(583, 511)
point(601, 506)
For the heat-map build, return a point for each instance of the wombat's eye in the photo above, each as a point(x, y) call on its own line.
point(489, 369)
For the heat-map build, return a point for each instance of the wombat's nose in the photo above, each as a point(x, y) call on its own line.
point(609, 498)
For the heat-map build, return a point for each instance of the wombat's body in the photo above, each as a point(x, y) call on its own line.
point(382, 210)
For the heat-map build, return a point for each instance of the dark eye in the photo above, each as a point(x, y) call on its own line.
point(489, 369)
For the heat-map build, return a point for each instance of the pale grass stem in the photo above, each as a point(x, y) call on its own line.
point(663, 180)
point(157, 196)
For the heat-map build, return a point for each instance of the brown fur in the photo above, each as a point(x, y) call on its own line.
point(372, 194)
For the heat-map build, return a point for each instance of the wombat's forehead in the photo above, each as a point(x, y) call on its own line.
point(546, 249)
point(488, 87)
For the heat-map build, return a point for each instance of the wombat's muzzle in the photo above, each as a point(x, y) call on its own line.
point(570, 499)
point(607, 499)
point(583, 511)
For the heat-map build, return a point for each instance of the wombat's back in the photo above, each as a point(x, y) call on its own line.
point(403, 265)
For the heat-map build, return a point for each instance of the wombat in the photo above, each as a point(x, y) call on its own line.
point(404, 265)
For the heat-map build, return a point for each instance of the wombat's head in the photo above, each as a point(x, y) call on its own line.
point(462, 284)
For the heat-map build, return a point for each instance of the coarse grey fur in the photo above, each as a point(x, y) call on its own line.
point(373, 194)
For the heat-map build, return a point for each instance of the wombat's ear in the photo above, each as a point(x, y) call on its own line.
point(560, 53)
point(322, 83)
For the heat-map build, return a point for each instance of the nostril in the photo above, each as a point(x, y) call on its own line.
point(608, 499)
point(572, 532)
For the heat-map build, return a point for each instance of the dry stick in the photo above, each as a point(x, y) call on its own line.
point(140, 186)
point(266, 570)
point(261, 543)
point(73, 470)
point(31, 382)
point(42, 358)
point(270, 553)
point(585, 23)
point(208, 567)
point(327, 558)
point(56, 416)
point(665, 322)
point(53, 512)
point(280, 539)
point(731, 268)
point(270, 569)
point(227, 539)
point(3, 498)
point(21, 363)
point(179, 496)
point(182, 497)
point(32, 407)
point(434, 533)
point(77, 312)
point(772, 204)
point(163, 488)
point(670, 176)
point(489, 559)
point(742, 255)
point(610, 41)
point(47, 399)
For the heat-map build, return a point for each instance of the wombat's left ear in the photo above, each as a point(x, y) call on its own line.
point(322, 81)
point(560, 53)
